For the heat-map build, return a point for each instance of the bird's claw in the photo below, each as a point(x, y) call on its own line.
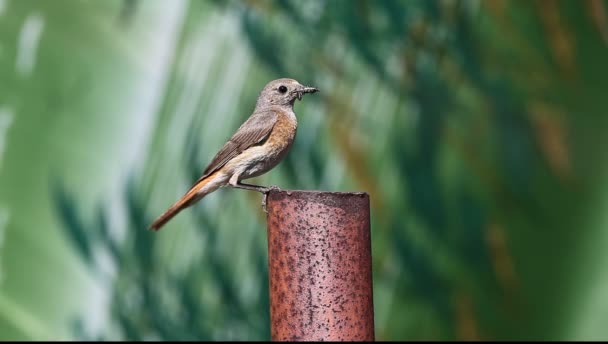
point(265, 197)
point(264, 202)
point(272, 188)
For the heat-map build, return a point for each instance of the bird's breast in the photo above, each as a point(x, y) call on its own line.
point(260, 159)
point(284, 131)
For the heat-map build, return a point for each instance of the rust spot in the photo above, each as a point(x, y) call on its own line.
point(321, 241)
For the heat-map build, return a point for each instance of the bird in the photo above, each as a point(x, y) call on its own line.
point(256, 147)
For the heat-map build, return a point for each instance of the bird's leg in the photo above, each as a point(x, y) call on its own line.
point(234, 182)
point(258, 188)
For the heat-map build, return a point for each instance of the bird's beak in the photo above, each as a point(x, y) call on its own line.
point(305, 89)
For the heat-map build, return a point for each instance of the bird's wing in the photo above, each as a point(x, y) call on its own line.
point(254, 131)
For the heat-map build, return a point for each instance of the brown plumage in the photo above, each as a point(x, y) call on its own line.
point(255, 130)
point(258, 145)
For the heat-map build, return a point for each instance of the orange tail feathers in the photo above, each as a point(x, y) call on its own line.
point(193, 195)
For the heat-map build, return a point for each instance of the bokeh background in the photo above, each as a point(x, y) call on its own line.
point(477, 127)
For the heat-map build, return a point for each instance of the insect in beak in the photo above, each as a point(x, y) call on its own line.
point(309, 90)
point(305, 89)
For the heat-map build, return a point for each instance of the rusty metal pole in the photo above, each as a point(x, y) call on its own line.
point(319, 256)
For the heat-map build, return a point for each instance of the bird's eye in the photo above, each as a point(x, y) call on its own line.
point(282, 89)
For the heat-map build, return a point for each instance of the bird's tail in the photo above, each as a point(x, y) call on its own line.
point(196, 192)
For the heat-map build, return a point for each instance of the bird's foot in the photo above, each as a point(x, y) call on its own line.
point(264, 202)
point(271, 188)
point(265, 197)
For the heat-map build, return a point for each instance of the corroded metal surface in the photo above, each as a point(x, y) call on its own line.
point(320, 266)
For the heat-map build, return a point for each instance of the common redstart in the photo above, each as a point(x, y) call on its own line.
point(257, 146)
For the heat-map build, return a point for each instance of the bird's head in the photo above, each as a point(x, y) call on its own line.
point(283, 92)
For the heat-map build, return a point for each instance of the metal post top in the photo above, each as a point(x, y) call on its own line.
point(344, 200)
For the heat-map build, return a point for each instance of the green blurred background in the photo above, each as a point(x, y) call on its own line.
point(477, 127)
